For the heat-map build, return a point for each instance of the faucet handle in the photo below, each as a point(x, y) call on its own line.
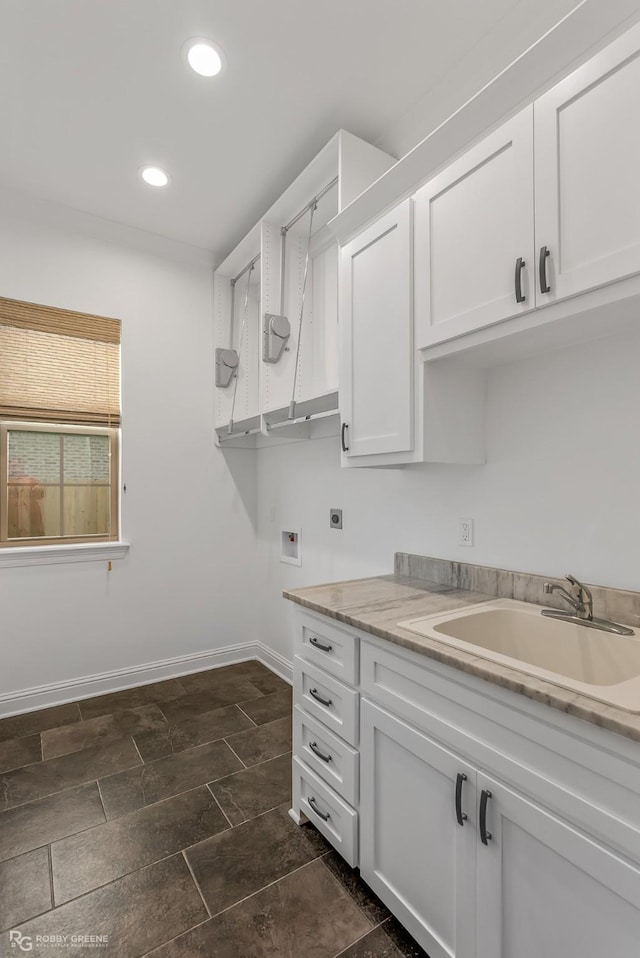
point(548, 588)
point(584, 592)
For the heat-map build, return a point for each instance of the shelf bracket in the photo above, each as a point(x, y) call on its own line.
point(226, 366)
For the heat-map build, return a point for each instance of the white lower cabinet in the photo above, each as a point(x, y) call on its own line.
point(414, 854)
point(472, 868)
point(491, 826)
point(546, 889)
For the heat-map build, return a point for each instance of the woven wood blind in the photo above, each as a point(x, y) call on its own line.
point(57, 365)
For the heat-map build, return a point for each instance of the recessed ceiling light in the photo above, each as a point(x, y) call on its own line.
point(204, 57)
point(154, 176)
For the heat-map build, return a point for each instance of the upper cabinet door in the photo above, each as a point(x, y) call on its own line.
point(474, 237)
point(376, 336)
point(587, 163)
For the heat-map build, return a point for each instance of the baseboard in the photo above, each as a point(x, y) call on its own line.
point(274, 661)
point(45, 696)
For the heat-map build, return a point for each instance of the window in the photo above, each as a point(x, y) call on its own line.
point(59, 426)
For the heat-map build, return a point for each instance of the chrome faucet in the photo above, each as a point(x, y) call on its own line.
point(581, 601)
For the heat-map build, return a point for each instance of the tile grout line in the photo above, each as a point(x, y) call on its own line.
point(360, 909)
point(175, 937)
point(135, 745)
point(53, 904)
point(254, 724)
point(55, 841)
point(195, 882)
point(164, 858)
point(67, 788)
point(361, 938)
point(264, 761)
point(104, 807)
point(219, 806)
point(129, 768)
point(236, 755)
point(264, 887)
point(253, 819)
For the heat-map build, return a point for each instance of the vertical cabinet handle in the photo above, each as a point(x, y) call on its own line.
point(460, 815)
point(343, 434)
point(542, 269)
point(520, 264)
point(485, 836)
point(325, 816)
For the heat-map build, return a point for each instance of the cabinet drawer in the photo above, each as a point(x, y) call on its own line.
point(326, 699)
point(336, 820)
point(396, 683)
point(331, 758)
point(333, 649)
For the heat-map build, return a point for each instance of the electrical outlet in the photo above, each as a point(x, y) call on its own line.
point(335, 518)
point(465, 532)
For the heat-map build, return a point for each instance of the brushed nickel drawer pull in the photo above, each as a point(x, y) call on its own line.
point(314, 748)
point(316, 695)
point(323, 815)
point(316, 642)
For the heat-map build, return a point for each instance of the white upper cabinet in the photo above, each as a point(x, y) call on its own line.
point(395, 409)
point(587, 163)
point(474, 237)
point(376, 316)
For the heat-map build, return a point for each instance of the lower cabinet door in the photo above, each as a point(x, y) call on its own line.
point(546, 889)
point(414, 853)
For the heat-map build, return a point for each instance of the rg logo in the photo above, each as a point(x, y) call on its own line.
point(23, 942)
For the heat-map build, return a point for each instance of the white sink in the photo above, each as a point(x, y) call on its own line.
point(599, 664)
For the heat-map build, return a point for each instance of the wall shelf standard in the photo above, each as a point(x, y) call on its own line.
point(236, 290)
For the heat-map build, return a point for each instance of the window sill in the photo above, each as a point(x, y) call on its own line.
point(53, 555)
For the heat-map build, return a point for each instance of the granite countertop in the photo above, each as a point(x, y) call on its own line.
point(376, 605)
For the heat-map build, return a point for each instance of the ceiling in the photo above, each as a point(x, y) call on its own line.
point(91, 90)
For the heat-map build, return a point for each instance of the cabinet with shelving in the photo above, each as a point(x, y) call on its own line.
point(289, 367)
point(236, 290)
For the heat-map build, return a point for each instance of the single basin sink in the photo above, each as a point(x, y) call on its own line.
point(599, 664)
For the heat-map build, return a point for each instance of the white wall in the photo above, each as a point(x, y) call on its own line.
point(188, 516)
point(559, 492)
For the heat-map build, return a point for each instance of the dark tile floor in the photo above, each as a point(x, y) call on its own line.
point(158, 816)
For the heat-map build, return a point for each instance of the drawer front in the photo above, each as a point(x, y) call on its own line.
point(334, 704)
point(396, 683)
point(336, 820)
point(331, 758)
point(322, 643)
